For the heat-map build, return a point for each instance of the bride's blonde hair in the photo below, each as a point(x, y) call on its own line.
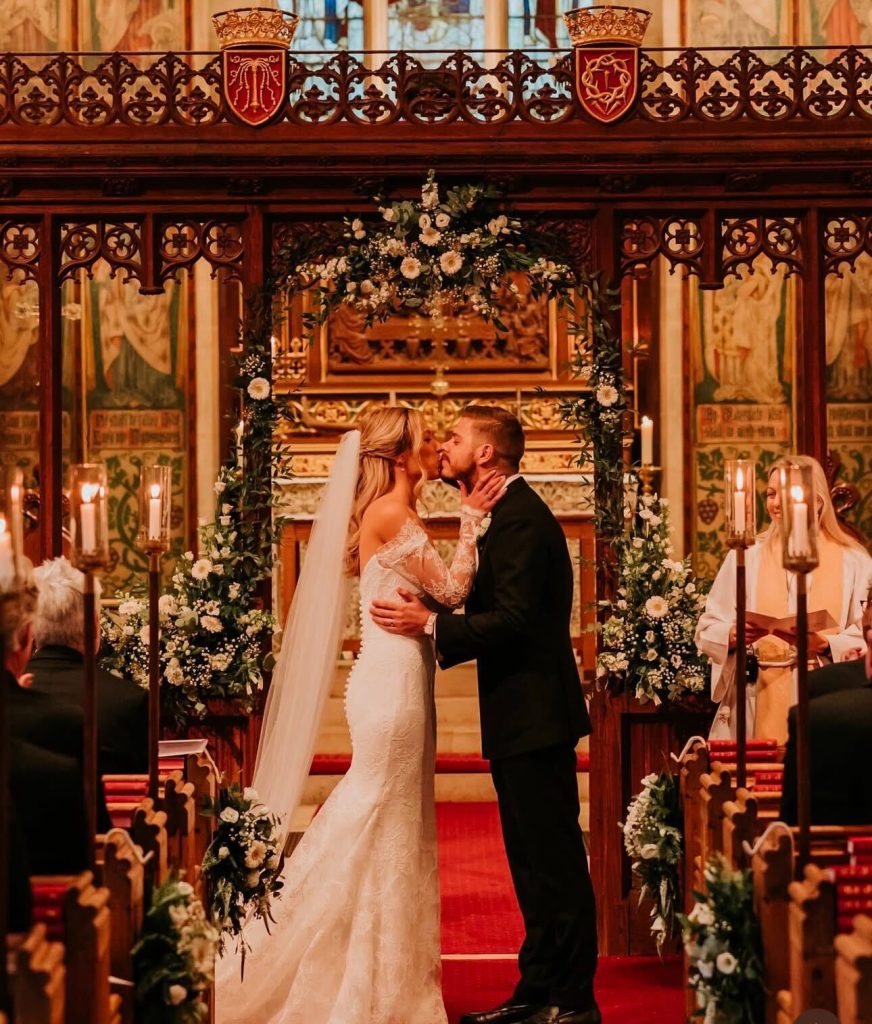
point(828, 523)
point(386, 434)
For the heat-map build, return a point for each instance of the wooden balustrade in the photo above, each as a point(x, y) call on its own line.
point(39, 983)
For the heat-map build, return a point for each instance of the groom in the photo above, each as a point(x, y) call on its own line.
point(516, 624)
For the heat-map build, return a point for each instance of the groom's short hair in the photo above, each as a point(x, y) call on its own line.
point(502, 430)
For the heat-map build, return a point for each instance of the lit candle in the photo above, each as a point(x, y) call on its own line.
point(88, 518)
point(739, 502)
point(17, 519)
point(240, 430)
point(647, 441)
point(799, 544)
point(154, 513)
point(6, 565)
point(636, 321)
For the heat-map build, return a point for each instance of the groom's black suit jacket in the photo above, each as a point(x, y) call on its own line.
point(516, 623)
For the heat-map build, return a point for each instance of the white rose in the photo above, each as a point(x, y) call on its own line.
point(450, 261)
point(606, 394)
point(258, 389)
point(410, 268)
point(656, 607)
point(430, 236)
point(690, 588)
point(367, 287)
point(234, 591)
point(223, 852)
point(250, 794)
point(357, 228)
point(649, 851)
point(177, 994)
point(167, 605)
point(145, 635)
point(179, 915)
point(389, 214)
point(496, 225)
point(351, 287)
point(726, 963)
point(230, 815)
point(442, 220)
point(424, 221)
point(129, 608)
point(702, 914)
point(128, 630)
point(219, 486)
point(201, 568)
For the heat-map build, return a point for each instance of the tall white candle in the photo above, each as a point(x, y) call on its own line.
point(799, 544)
point(647, 441)
point(739, 502)
point(154, 510)
point(7, 568)
point(17, 515)
point(88, 519)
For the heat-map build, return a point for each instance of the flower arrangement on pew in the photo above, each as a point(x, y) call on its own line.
point(174, 960)
point(653, 839)
point(722, 940)
point(450, 248)
point(647, 641)
point(242, 864)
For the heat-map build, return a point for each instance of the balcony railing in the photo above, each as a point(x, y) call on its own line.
point(765, 86)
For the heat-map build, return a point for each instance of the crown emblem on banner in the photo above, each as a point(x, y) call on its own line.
point(255, 26)
point(596, 25)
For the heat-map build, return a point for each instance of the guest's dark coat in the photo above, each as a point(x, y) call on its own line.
point(122, 706)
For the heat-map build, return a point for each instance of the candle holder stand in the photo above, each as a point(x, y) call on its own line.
point(647, 475)
point(154, 550)
point(739, 545)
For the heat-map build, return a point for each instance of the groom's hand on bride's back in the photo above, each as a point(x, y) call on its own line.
point(406, 617)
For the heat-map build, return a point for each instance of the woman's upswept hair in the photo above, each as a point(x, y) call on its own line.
point(385, 435)
point(828, 523)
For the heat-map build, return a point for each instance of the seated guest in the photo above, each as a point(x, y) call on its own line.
point(57, 669)
point(837, 585)
point(840, 725)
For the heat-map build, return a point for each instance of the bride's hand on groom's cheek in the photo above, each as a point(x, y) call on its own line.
point(406, 617)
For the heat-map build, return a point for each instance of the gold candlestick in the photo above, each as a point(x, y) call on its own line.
point(647, 475)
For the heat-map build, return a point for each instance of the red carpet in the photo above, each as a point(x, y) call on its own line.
point(480, 917)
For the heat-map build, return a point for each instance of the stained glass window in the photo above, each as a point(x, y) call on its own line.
point(327, 24)
point(539, 23)
point(446, 25)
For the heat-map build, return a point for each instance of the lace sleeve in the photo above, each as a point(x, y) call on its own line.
point(412, 555)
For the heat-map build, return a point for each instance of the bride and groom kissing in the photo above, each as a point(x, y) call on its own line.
point(356, 933)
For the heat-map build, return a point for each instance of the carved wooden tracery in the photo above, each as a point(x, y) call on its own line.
point(759, 85)
point(20, 246)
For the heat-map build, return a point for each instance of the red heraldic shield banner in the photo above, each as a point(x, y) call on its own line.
point(255, 82)
point(607, 80)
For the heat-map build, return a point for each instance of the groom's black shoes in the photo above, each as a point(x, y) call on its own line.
point(506, 1013)
point(559, 1015)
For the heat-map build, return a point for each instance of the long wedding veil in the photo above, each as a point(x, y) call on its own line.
point(310, 645)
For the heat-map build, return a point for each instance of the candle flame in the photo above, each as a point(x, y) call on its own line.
point(2, 526)
point(15, 491)
point(740, 479)
point(89, 492)
point(797, 493)
point(155, 490)
point(646, 421)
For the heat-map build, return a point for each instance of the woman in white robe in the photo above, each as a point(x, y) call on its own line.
point(838, 585)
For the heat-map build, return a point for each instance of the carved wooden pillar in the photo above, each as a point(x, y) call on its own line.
point(51, 442)
point(811, 343)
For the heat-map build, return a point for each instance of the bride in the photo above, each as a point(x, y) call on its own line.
point(356, 938)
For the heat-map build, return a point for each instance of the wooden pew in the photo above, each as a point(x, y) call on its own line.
point(716, 788)
point(201, 772)
point(87, 924)
point(771, 865)
point(693, 763)
point(39, 983)
point(179, 805)
point(148, 831)
point(123, 874)
point(854, 973)
point(741, 827)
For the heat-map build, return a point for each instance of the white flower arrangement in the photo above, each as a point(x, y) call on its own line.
point(443, 251)
point(647, 641)
point(722, 941)
point(242, 863)
point(653, 840)
point(214, 641)
point(174, 960)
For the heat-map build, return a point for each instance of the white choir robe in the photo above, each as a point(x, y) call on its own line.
point(713, 629)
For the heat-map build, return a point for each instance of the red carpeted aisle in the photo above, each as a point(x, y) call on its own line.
point(481, 925)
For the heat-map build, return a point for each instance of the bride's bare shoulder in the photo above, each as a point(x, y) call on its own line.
point(385, 517)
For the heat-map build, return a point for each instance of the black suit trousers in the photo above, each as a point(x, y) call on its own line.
point(538, 801)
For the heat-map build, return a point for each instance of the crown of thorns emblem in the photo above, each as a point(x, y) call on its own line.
point(607, 80)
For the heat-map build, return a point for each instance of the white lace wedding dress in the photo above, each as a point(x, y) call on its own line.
point(356, 938)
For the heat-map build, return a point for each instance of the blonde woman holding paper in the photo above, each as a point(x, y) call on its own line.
point(838, 586)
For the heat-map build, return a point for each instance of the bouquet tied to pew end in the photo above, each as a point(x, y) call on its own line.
point(653, 840)
point(174, 960)
point(722, 940)
point(243, 863)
